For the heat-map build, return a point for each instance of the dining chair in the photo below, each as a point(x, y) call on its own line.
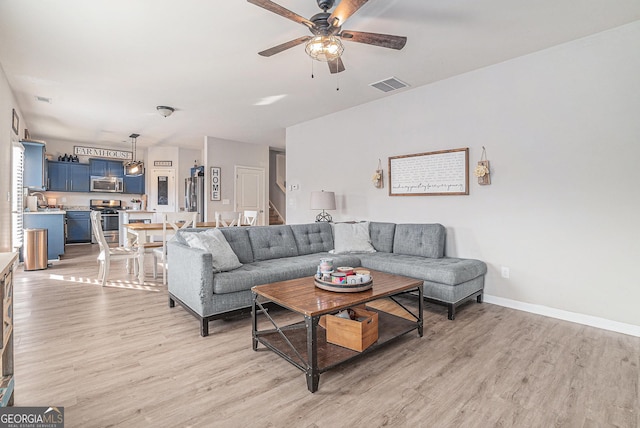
point(107, 254)
point(250, 217)
point(228, 218)
point(171, 222)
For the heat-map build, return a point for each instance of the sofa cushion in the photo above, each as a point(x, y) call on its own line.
point(382, 236)
point(352, 238)
point(312, 238)
point(214, 242)
point(272, 242)
point(238, 239)
point(267, 271)
point(446, 270)
point(425, 240)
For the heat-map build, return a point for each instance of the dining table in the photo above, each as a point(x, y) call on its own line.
point(142, 233)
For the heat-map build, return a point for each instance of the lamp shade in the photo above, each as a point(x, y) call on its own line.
point(323, 200)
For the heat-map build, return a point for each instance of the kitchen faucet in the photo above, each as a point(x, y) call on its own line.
point(38, 195)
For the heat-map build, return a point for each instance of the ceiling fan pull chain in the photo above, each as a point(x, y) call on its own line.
point(312, 76)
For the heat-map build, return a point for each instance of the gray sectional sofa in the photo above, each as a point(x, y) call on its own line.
point(277, 253)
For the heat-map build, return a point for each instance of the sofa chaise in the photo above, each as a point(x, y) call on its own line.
point(209, 290)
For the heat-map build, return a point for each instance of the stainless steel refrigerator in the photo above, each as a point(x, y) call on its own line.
point(194, 195)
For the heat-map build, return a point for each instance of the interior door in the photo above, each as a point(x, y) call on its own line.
point(162, 190)
point(250, 191)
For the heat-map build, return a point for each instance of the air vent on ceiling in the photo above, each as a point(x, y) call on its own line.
point(388, 85)
point(43, 99)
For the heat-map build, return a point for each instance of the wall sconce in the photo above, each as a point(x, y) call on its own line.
point(482, 170)
point(378, 181)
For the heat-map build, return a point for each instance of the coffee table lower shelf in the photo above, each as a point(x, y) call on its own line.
point(328, 355)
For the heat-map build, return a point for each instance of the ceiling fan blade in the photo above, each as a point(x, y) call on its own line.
point(376, 39)
point(336, 66)
point(282, 11)
point(284, 46)
point(343, 11)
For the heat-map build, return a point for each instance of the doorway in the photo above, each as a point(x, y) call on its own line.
point(162, 194)
point(250, 190)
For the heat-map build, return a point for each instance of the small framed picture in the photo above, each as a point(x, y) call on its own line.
point(15, 122)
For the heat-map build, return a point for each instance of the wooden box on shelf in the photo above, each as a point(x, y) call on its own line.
point(357, 334)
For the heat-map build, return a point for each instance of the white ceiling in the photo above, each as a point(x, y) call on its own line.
point(106, 64)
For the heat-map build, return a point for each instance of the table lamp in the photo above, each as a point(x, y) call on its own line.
point(323, 201)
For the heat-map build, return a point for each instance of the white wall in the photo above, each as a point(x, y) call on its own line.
point(562, 132)
point(7, 104)
point(227, 155)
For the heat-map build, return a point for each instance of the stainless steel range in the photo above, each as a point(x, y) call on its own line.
point(109, 210)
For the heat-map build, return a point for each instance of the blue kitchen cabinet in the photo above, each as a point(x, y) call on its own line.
point(134, 184)
point(54, 223)
point(35, 171)
point(68, 177)
point(79, 177)
point(78, 226)
point(106, 168)
point(57, 176)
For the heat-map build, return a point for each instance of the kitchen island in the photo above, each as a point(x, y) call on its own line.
point(54, 222)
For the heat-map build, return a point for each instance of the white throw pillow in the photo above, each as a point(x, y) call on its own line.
point(351, 238)
point(214, 242)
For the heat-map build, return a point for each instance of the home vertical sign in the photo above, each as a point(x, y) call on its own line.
point(215, 183)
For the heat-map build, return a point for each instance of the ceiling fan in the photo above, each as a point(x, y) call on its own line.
point(325, 44)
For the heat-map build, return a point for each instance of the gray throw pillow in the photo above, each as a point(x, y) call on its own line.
point(352, 238)
point(214, 242)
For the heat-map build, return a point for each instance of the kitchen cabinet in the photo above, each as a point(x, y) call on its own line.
point(69, 177)
point(7, 387)
point(78, 227)
point(106, 168)
point(53, 221)
point(35, 171)
point(134, 184)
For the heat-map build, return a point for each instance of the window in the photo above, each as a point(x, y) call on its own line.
point(17, 198)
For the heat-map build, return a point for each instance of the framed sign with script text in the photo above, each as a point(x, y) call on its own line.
point(444, 172)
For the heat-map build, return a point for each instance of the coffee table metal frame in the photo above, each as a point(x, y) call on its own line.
point(304, 344)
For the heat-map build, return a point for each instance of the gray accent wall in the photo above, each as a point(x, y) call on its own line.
point(562, 134)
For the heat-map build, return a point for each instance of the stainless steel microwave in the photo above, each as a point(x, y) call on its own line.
point(106, 184)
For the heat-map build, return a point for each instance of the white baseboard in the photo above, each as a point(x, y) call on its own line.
point(605, 324)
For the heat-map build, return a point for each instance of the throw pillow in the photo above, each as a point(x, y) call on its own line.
point(214, 242)
point(352, 238)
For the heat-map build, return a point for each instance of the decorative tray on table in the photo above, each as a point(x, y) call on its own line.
point(343, 288)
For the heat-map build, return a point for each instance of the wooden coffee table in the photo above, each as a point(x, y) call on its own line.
point(304, 344)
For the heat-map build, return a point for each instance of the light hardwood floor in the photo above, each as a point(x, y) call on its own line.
point(118, 356)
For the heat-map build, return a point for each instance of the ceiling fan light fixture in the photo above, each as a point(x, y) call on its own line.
point(324, 48)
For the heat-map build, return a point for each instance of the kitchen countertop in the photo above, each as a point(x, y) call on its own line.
point(76, 208)
point(45, 212)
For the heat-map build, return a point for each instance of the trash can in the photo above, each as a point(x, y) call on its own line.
point(35, 249)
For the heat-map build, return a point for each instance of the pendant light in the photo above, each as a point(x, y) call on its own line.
point(133, 168)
